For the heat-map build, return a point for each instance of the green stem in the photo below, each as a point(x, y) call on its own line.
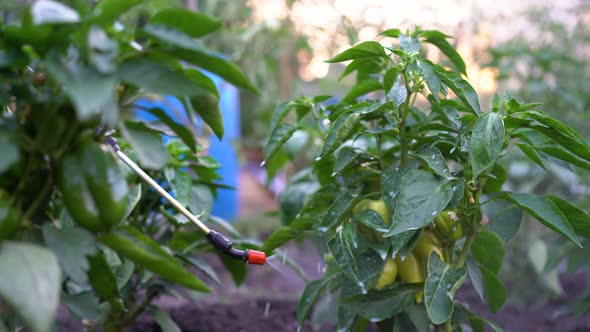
point(402, 124)
point(379, 151)
point(39, 199)
point(138, 310)
point(448, 326)
point(465, 250)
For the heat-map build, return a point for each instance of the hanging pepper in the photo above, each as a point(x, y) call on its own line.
point(93, 187)
point(410, 270)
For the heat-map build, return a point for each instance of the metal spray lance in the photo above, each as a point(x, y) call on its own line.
point(216, 239)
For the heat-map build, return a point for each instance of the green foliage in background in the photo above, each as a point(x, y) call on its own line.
point(404, 199)
point(548, 64)
point(77, 227)
point(269, 50)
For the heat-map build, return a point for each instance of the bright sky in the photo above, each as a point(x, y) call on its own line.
point(322, 22)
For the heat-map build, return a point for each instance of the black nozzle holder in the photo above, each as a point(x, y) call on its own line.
point(112, 142)
point(224, 245)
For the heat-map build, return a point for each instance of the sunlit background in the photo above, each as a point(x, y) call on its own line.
point(333, 26)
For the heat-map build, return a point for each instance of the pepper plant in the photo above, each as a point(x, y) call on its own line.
point(77, 226)
point(404, 200)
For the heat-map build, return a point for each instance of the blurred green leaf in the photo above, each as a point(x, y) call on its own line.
point(90, 92)
point(361, 89)
point(9, 152)
point(439, 40)
point(207, 106)
point(389, 78)
point(310, 294)
point(504, 218)
point(191, 23)
point(367, 49)
point(147, 144)
point(236, 268)
point(488, 250)
point(394, 33)
point(102, 279)
point(52, 12)
point(202, 80)
point(201, 200)
point(578, 219)
point(71, 245)
point(107, 11)
point(531, 154)
point(184, 133)
point(84, 305)
point(165, 321)
point(477, 323)
point(30, 283)
point(191, 51)
point(545, 211)
point(202, 265)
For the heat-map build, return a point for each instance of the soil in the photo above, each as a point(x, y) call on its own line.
point(267, 301)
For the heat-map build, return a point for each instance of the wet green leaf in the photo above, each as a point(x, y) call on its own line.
point(545, 211)
point(422, 196)
point(440, 287)
point(340, 131)
point(380, 305)
point(279, 136)
point(435, 161)
point(486, 142)
point(308, 298)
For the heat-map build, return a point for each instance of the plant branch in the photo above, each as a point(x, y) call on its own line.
point(39, 199)
point(402, 124)
point(465, 250)
point(448, 326)
point(139, 309)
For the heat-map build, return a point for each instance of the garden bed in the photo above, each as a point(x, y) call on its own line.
point(267, 301)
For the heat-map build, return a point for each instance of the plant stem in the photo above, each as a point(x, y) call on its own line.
point(402, 124)
point(39, 199)
point(465, 250)
point(138, 310)
point(379, 139)
point(448, 326)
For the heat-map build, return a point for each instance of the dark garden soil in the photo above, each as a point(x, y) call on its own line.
point(267, 301)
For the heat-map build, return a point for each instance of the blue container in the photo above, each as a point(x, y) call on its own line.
point(224, 151)
point(226, 205)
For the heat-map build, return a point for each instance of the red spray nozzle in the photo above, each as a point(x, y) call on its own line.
point(256, 257)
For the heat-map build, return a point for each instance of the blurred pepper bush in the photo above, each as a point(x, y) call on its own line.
point(76, 226)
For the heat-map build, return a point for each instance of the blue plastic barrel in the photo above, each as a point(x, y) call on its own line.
point(226, 205)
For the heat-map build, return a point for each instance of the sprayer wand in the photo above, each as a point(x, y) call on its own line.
point(216, 239)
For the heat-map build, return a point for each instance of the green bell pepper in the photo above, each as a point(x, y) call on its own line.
point(93, 187)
